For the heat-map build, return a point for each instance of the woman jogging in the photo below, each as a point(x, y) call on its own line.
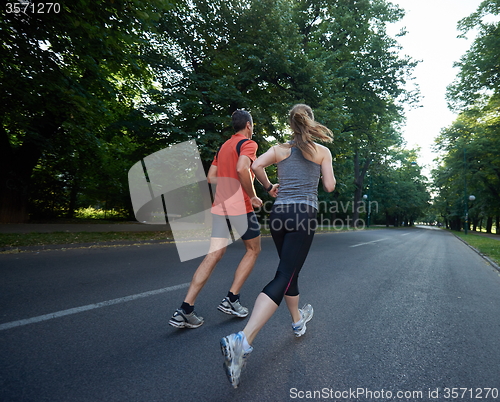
point(293, 223)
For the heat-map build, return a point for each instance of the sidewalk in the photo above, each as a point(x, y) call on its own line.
point(81, 227)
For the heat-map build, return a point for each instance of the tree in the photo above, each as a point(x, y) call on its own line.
point(479, 70)
point(470, 146)
point(470, 160)
point(375, 92)
point(140, 76)
point(267, 55)
point(63, 77)
point(397, 189)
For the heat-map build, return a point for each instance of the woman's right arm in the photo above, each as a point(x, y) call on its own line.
point(258, 167)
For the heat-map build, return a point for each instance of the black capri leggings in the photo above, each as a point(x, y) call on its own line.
point(292, 228)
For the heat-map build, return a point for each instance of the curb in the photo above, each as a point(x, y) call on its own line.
point(485, 257)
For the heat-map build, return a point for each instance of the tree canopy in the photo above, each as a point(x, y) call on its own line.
point(90, 90)
point(470, 147)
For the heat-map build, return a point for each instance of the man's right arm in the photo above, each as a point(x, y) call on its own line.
point(212, 175)
point(245, 177)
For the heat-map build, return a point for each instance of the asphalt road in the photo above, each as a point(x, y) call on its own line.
point(400, 314)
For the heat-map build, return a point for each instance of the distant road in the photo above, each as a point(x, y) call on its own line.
point(400, 314)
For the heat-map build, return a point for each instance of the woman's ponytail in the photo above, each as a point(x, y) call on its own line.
point(306, 129)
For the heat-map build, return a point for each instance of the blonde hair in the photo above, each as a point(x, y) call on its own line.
point(306, 129)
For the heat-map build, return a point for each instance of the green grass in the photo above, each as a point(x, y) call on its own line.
point(486, 245)
point(44, 239)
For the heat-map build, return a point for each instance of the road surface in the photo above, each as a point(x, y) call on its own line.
point(400, 314)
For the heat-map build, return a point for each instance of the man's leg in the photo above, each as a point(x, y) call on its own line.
point(185, 317)
point(231, 303)
point(217, 249)
point(246, 264)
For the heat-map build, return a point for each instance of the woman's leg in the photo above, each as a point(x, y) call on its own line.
point(293, 238)
point(292, 302)
point(294, 252)
point(262, 311)
point(296, 246)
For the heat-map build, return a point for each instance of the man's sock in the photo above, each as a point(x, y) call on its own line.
point(232, 297)
point(187, 308)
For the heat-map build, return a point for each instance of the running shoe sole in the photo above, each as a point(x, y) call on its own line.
point(183, 324)
point(226, 352)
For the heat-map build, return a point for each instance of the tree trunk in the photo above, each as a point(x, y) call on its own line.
point(489, 224)
point(73, 197)
point(17, 164)
point(13, 204)
point(359, 177)
point(17, 168)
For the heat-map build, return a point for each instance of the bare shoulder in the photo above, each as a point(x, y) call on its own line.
point(321, 148)
point(323, 152)
point(282, 151)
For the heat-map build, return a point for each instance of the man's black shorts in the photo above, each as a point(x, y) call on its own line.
point(221, 226)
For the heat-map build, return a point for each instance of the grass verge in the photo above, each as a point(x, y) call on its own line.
point(45, 239)
point(487, 246)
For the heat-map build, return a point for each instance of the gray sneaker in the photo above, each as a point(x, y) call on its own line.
point(306, 313)
point(182, 320)
point(235, 357)
point(232, 308)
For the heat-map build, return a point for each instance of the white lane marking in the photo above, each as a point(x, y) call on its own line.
point(404, 234)
point(88, 307)
point(370, 242)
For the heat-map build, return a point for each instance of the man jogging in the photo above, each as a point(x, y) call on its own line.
point(232, 162)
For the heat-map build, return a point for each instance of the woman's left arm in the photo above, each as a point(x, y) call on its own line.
point(328, 177)
point(258, 167)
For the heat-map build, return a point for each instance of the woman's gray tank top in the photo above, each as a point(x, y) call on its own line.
point(298, 179)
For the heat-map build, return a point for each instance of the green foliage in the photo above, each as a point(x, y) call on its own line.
point(93, 213)
point(399, 189)
point(65, 78)
point(470, 147)
point(470, 165)
point(479, 72)
point(97, 87)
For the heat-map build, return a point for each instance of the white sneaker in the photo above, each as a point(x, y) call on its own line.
point(306, 313)
point(235, 356)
